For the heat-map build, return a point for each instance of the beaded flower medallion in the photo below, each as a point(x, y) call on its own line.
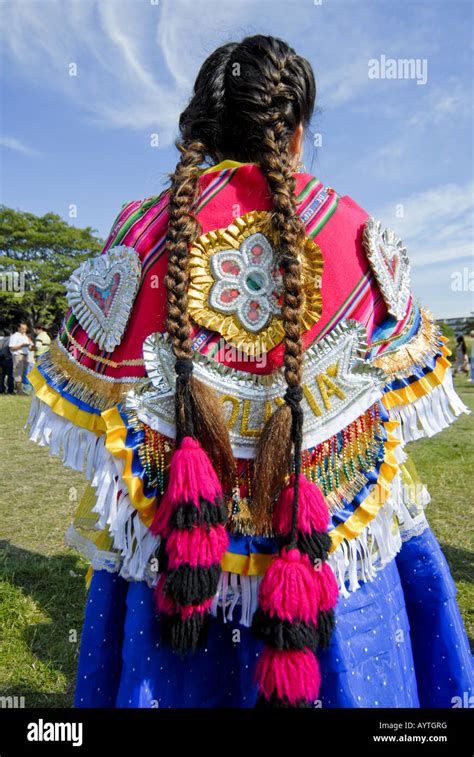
point(389, 261)
point(101, 292)
point(248, 282)
point(236, 285)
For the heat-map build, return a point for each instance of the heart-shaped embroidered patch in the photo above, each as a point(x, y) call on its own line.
point(101, 293)
point(389, 261)
point(104, 297)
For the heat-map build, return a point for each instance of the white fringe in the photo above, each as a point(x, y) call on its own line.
point(360, 559)
point(236, 591)
point(430, 414)
point(76, 446)
point(98, 558)
point(355, 561)
point(83, 451)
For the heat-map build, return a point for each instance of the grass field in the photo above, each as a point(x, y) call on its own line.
point(42, 582)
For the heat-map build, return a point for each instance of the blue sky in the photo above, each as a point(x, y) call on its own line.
point(402, 149)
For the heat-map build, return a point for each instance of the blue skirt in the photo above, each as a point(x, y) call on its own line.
point(399, 642)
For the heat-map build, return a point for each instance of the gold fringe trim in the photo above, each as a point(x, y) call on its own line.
point(368, 509)
point(95, 390)
point(425, 344)
point(97, 358)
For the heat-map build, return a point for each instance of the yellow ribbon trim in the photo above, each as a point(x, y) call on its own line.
point(115, 443)
point(88, 577)
point(254, 564)
point(62, 407)
point(422, 387)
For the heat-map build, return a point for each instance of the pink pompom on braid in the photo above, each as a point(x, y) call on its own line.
point(190, 522)
point(287, 677)
point(290, 617)
point(191, 479)
point(328, 588)
point(313, 513)
point(289, 589)
point(198, 546)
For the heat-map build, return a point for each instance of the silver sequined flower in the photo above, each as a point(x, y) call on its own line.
point(248, 282)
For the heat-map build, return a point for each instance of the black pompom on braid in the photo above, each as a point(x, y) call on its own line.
point(326, 625)
point(208, 514)
point(192, 586)
point(283, 634)
point(316, 545)
point(184, 635)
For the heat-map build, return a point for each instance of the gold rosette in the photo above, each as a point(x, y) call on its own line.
point(229, 325)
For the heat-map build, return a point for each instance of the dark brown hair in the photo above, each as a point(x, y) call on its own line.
point(248, 99)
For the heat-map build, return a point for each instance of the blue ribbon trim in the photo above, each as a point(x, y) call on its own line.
point(59, 387)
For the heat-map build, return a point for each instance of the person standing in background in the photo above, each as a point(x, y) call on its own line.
point(462, 363)
point(20, 344)
point(6, 366)
point(42, 340)
point(30, 361)
point(471, 373)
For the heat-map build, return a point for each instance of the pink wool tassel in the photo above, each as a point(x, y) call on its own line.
point(328, 588)
point(288, 678)
point(190, 519)
point(191, 480)
point(198, 546)
point(313, 514)
point(289, 589)
point(296, 598)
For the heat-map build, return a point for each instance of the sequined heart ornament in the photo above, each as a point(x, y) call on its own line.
point(389, 261)
point(101, 293)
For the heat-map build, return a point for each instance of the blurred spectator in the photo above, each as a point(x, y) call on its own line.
point(462, 362)
point(6, 366)
point(20, 345)
point(471, 376)
point(42, 340)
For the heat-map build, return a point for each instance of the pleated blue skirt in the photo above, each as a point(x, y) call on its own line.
point(399, 642)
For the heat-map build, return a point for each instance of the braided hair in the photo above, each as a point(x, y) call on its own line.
point(248, 99)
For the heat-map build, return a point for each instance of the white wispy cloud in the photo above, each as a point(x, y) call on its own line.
point(135, 60)
point(436, 225)
point(12, 143)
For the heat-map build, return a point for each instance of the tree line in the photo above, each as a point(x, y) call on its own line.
point(37, 256)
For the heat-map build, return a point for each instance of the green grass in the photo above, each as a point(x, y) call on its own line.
point(42, 581)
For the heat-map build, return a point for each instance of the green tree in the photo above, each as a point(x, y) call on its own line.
point(37, 256)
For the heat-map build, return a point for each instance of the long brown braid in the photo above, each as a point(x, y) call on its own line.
point(198, 413)
point(274, 448)
point(248, 99)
